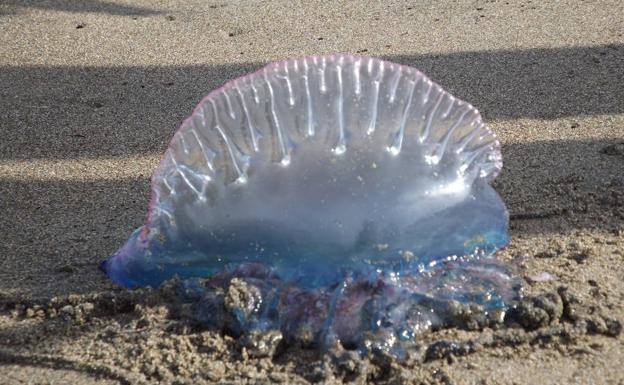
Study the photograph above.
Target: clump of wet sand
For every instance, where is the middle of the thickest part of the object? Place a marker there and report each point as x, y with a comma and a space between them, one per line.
149, 336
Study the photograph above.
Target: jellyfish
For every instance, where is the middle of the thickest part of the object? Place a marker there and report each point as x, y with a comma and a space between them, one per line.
349, 195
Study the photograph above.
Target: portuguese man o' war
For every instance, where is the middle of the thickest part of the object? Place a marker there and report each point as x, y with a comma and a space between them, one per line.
346, 197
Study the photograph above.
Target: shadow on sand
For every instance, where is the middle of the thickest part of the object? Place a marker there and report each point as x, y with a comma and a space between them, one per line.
92, 6
70, 112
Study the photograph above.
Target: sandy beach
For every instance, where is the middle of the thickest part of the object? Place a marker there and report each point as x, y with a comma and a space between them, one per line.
91, 92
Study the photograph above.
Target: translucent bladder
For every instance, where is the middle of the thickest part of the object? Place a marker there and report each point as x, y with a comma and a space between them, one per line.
328, 171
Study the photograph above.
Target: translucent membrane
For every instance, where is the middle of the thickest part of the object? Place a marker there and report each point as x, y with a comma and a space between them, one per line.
338, 186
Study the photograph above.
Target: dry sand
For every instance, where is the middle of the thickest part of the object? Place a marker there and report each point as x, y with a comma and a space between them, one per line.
90, 92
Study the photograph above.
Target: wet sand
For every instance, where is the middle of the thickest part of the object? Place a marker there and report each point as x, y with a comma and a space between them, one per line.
91, 92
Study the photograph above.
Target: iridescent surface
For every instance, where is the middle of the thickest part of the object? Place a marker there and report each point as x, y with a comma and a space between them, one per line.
336, 187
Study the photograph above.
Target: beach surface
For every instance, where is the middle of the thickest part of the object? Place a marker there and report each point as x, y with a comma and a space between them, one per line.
91, 92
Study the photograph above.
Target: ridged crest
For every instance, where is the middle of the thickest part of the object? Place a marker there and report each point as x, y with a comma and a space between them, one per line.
340, 101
